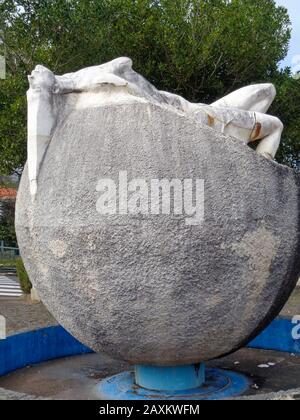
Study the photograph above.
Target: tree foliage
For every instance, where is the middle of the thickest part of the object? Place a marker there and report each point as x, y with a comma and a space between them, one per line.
287, 107
201, 49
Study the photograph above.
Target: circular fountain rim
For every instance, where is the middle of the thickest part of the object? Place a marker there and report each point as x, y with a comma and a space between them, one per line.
53, 343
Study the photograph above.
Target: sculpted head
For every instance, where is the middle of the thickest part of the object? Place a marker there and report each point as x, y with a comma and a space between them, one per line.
42, 79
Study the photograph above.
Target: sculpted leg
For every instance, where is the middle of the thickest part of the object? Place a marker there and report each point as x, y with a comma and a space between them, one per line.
268, 129
247, 126
257, 98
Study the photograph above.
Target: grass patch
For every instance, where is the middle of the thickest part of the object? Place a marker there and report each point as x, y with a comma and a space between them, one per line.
25, 283
8, 262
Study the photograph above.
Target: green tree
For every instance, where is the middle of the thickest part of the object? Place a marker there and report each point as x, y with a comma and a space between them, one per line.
201, 49
287, 108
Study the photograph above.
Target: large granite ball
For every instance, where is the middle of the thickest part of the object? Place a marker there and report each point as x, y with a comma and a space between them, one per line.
151, 289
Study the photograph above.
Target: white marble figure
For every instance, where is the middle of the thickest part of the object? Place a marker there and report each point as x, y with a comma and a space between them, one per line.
41, 120
241, 114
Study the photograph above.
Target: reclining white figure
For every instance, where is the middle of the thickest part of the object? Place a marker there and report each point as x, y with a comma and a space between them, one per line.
241, 114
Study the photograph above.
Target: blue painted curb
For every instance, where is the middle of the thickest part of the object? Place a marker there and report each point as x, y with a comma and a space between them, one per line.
39, 346
21, 350
279, 336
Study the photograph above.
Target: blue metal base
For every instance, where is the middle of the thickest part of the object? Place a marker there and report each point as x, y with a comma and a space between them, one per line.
175, 378
219, 385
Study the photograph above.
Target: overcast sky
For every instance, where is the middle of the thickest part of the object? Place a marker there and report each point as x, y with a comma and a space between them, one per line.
293, 7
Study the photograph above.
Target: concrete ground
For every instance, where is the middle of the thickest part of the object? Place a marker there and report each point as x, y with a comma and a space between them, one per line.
77, 377
23, 315
292, 308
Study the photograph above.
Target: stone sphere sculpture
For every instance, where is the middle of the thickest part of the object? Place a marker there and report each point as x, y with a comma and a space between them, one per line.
110, 162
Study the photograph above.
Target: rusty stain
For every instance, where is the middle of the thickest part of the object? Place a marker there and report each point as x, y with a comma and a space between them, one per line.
211, 120
256, 132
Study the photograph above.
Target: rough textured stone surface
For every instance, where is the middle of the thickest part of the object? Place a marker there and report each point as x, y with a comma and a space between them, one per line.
150, 289
292, 395
6, 395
